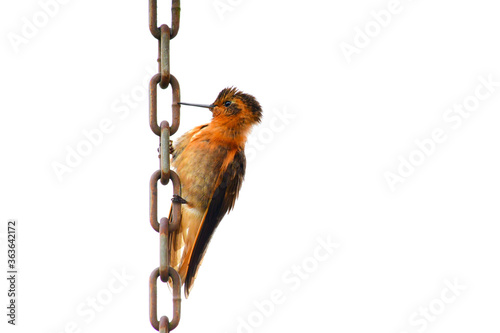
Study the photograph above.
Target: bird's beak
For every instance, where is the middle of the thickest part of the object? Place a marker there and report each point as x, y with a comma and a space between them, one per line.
198, 105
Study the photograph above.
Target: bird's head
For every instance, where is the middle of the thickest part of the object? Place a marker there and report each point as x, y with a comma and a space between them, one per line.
233, 103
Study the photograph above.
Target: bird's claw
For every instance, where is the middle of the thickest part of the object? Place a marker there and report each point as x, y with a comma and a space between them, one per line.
178, 199
170, 147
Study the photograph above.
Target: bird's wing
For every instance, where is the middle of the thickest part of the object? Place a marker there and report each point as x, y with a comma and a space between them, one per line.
223, 199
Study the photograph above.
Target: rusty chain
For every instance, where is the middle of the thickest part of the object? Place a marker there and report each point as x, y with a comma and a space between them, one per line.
164, 79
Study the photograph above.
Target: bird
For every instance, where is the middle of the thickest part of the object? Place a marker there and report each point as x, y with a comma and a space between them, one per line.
210, 162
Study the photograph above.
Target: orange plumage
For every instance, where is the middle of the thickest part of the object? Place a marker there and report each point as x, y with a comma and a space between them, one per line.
210, 162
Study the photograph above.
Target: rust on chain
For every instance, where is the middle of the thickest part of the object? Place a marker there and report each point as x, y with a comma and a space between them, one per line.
164, 325
164, 56
175, 222
176, 107
165, 152
153, 201
167, 226
153, 299
153, 104
164, 79
176, 18
153, 18
164, 254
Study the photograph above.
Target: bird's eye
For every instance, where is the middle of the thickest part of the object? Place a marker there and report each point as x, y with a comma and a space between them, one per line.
227, 103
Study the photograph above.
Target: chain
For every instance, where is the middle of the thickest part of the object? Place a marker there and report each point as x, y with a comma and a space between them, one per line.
164, 79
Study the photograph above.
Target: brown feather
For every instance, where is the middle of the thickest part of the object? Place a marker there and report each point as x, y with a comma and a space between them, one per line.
210, 162
222, 201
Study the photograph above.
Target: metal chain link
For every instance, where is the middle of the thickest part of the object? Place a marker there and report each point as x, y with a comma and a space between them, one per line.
164, 79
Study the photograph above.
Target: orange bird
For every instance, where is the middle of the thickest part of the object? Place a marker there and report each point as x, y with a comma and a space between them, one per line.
210, 162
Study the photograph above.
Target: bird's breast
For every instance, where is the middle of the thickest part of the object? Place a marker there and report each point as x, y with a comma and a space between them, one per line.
199, 166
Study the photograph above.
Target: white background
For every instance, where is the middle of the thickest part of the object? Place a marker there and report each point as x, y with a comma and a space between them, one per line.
332, 129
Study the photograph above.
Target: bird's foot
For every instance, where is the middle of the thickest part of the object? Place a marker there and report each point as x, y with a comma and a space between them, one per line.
178, 199
171, 147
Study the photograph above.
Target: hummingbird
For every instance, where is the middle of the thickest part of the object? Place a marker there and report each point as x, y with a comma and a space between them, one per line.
210, 161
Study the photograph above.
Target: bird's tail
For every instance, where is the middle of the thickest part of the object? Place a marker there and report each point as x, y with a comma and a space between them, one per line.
182, 241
